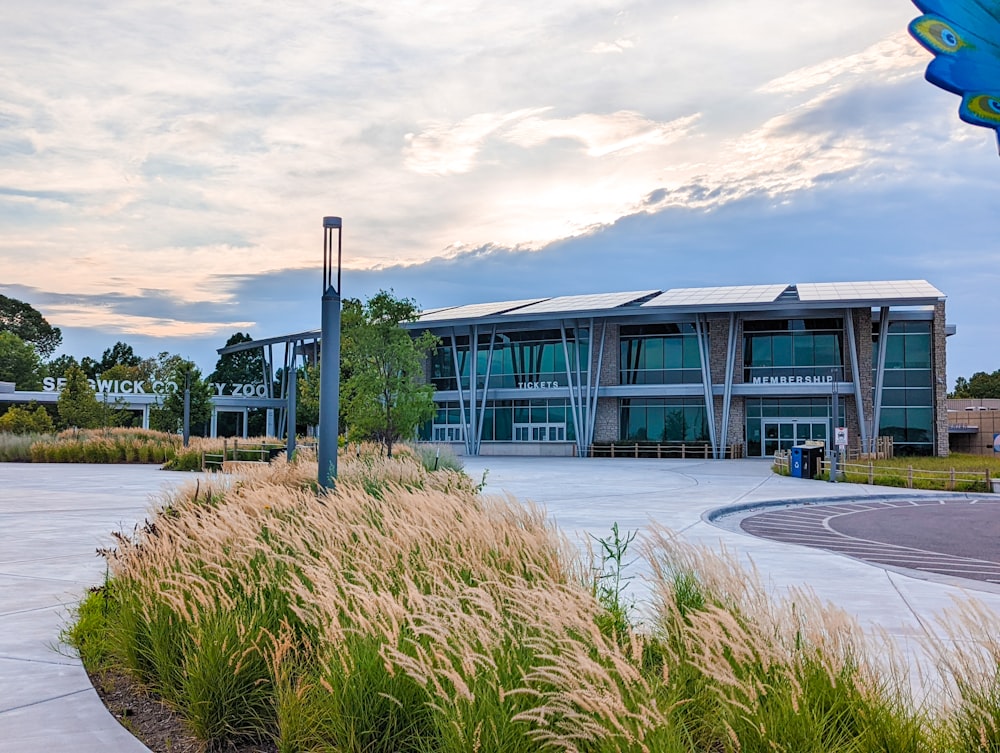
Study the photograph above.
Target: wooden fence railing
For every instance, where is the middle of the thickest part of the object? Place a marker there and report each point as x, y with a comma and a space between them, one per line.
244, 453
648, 450
909, 477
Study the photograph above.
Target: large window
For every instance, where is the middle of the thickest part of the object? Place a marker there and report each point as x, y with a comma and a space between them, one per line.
660, 354
667, 420
792, 348
519, 358
506, 421
908, 390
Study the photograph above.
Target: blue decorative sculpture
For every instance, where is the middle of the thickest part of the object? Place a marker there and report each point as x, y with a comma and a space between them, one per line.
964, 36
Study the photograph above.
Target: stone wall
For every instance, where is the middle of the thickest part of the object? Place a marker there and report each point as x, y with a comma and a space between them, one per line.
939, 377
606, 427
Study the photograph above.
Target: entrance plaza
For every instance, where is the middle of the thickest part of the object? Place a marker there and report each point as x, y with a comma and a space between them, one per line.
54, 517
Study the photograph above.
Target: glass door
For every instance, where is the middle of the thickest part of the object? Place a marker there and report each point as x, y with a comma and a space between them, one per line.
786, 433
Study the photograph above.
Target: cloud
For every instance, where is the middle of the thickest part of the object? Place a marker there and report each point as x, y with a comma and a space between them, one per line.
612, 48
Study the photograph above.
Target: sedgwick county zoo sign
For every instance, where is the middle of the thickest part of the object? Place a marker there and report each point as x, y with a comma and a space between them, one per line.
121, 387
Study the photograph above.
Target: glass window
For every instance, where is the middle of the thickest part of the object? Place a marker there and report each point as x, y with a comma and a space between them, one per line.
673, 353
781, 350
918, 352
803, 345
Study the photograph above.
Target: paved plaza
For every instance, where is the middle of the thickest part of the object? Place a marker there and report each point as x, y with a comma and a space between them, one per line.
53, 518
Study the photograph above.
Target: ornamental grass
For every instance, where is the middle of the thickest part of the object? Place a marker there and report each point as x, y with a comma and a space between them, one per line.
404, 611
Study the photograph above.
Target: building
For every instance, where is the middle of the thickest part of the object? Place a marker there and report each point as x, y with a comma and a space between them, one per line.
974, 425
744, 370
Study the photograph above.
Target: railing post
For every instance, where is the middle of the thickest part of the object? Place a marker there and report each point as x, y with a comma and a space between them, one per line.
612, 449
909, 477
871, 472
637, 449
951, 480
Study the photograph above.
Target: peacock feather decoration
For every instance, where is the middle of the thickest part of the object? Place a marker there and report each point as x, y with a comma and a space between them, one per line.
964, 37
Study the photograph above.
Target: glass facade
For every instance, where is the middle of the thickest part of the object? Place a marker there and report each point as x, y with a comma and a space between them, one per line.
520, 359
667, 420
783, 422
660, 354
536, 420
792, 348
908, 387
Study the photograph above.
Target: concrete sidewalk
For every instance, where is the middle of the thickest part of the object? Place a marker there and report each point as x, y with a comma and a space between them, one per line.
53, 518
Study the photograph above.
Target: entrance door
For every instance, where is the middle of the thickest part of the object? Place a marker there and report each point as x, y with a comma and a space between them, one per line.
539, 432
786, 433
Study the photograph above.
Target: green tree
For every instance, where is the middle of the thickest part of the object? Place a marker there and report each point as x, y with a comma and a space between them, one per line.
18, 420
384, 394
19, 363
58, 367
171, 416
307, 397
243, 367
78, 405
119, 354
980, 385
23, 320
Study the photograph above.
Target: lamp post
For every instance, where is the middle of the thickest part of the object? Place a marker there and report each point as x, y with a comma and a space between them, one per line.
835, 407
329, 372
187, 407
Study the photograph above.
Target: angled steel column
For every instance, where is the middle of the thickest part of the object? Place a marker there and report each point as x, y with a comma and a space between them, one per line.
458, 383
473, 388
329, 376
592, 417
852, 345
701, 326
577, 428
727, 393
883, 336
486, 389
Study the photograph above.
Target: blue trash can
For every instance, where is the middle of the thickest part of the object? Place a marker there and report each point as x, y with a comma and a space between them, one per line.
795, 465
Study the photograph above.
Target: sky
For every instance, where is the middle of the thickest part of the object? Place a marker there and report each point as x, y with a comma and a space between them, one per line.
165, 168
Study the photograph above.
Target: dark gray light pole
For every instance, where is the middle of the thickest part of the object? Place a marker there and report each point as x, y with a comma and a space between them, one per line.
187, 407
329, 370
834, 448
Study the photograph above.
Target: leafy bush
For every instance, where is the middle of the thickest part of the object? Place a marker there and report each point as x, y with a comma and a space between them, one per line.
18, 420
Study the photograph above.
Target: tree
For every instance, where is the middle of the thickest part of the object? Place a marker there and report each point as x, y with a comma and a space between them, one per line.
307, 397
384, 394
19, 363
58, 367
119, 354
981, 385
23, 320
172, 412
77, 404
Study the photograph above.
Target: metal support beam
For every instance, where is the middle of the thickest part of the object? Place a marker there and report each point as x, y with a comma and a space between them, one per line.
704, 350
486, 389
473, 388
852, 345
727, 392
292, 413
883, 336
458, 384
573, 395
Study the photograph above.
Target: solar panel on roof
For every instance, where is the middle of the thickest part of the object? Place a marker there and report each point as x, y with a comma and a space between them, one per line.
594, 302
732, 294
475, 310
868, 290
